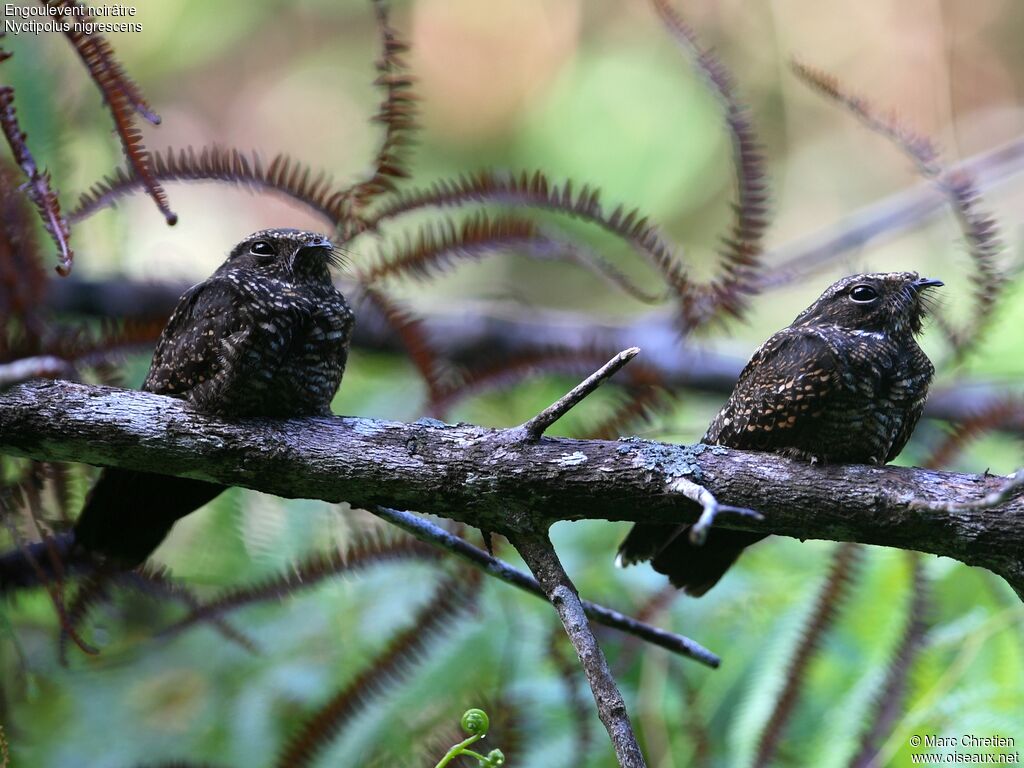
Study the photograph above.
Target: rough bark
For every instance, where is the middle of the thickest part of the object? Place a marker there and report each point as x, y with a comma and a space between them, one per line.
491, 479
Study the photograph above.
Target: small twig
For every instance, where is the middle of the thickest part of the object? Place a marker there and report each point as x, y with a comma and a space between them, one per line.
435, 534
994, 499
540, 556
536, 426
710, 505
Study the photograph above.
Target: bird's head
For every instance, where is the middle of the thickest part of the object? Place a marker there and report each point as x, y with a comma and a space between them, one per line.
895, 302
292, 255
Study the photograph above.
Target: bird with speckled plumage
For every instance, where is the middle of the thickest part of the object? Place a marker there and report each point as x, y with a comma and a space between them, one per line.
266, 335
846, 382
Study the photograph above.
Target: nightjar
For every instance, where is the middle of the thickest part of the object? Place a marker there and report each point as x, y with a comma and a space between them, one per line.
845, 383
266, 335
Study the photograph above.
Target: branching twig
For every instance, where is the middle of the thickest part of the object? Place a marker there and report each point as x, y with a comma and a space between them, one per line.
427, 531
535, 427
540, 556
989, 500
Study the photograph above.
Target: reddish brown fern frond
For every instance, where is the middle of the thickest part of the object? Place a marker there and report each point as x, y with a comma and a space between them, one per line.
695, 721
310, 571
54, 587
436, 246
496, 375
826, 608
920, 149
889, 703
551, 245
397, 113
454, 596
121, 95
981, 232
639, 406
92, 591
412, 334
81, 348
22, 276
156, 584
283, 175
1001, 413
537, 191
37, 188
741, 257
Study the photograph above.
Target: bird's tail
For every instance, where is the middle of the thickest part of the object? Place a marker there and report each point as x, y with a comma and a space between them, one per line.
693, 568
127, 514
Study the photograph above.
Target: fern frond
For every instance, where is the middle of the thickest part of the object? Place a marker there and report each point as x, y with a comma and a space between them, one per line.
412, 333
156, 584
536, 190
638, 407
826, 608
310, 571
436, 246
497, 375
889, 704
397, 113
92, 591
741, 256
22, 275
283, 175
920, 149
980, 231
1000, 413
38, 187
122, 98
454, 596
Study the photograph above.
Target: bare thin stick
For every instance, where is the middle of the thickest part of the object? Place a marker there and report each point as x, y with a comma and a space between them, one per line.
424, 530
710, 506
536, 426
540, 556
994, 499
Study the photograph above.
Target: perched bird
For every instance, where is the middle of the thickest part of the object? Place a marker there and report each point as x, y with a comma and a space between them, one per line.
845, 383
266, 335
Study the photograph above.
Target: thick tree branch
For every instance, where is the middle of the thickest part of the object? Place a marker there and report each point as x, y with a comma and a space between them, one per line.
540, 556
478, 476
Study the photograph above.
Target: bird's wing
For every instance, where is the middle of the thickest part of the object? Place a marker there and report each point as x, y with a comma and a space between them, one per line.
782, 392
186, 352
220, 349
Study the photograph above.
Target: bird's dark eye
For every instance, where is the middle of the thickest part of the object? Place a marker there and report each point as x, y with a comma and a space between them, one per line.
863, 294
262, 248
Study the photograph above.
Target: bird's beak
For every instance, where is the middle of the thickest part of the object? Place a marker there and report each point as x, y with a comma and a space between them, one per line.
927, 282
311, 247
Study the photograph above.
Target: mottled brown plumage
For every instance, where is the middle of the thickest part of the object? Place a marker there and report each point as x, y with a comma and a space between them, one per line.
266, 335
845, 383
